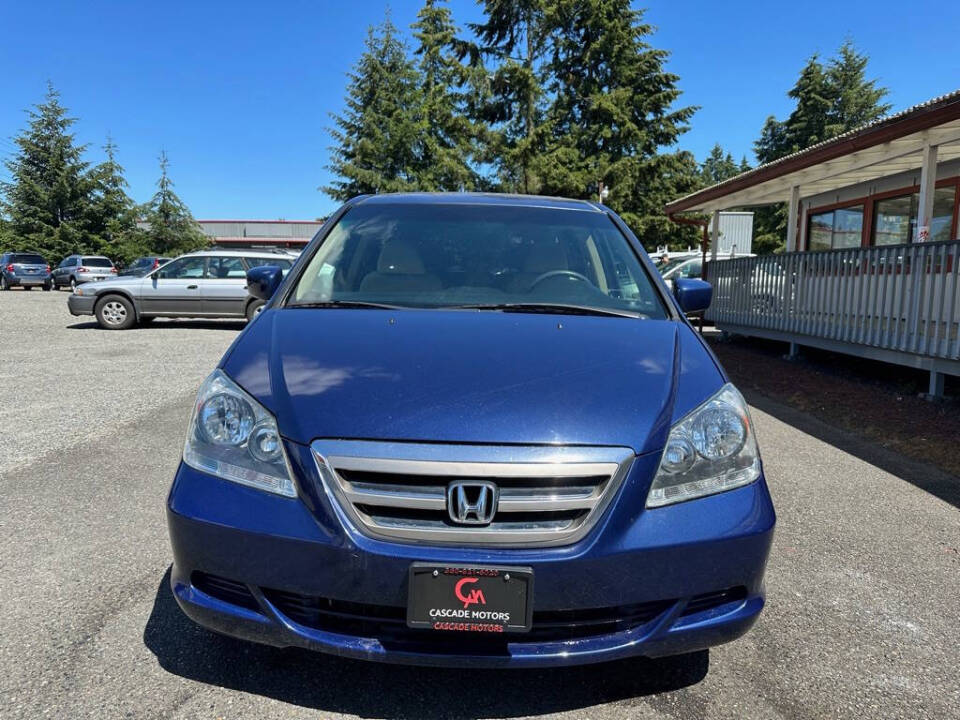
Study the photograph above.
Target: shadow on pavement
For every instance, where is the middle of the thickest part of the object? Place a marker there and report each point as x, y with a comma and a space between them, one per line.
336, 685
926, 477
170, 324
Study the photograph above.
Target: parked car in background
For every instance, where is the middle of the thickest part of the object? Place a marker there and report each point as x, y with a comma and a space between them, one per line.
688, 266
472, 430
26, 270
209, 283
141, 266
75, 270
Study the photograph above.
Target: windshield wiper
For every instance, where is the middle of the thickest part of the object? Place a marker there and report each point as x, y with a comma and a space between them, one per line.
348, 304
548, 308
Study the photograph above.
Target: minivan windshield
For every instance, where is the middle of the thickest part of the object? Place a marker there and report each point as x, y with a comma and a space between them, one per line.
497, 257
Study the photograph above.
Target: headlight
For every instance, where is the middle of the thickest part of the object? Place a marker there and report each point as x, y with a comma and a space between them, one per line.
234, 437
711, 450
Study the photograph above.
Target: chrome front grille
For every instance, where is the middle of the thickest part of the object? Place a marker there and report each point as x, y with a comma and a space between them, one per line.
399, 491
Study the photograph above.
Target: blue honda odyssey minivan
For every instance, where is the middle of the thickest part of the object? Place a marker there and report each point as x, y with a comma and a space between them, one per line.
472, 430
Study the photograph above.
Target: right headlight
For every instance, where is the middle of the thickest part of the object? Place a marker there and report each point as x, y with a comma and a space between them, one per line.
234, 437
710, 450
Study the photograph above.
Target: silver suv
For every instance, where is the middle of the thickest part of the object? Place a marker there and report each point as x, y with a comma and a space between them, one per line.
75, 270
208, 284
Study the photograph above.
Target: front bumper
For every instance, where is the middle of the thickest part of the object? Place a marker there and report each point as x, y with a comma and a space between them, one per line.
81, 305
287, 572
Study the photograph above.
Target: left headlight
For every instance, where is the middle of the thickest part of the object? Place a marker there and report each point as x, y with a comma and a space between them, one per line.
710, 450
234, 437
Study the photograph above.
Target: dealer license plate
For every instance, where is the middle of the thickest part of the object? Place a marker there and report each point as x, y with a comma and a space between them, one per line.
488, 599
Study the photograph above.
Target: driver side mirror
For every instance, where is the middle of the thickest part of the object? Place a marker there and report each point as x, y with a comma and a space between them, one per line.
262, 282
692, 295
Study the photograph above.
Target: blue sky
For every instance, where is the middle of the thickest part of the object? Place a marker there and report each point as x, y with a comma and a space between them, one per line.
239, 93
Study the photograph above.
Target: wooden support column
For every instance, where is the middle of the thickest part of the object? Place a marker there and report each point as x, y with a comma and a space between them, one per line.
714, 234
792, 218
802, 237
928, 183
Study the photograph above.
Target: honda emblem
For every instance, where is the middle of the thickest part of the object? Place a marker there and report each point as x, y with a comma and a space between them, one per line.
472, 502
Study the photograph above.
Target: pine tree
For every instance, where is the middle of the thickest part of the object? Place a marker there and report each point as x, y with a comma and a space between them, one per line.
48, 195
856, 101
171, 228
446, 135
112, 215
718, 166
613, 114
377, 135
829, 101
515, 37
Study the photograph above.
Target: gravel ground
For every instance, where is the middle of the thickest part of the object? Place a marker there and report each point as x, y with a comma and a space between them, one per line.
74, 382
863, 581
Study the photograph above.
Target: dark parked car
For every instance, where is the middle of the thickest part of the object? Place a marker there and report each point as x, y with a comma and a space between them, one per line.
78, 269
472, 430
141, 266
27, 270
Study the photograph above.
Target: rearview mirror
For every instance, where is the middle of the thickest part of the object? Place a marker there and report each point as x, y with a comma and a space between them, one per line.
262, 282
692, 295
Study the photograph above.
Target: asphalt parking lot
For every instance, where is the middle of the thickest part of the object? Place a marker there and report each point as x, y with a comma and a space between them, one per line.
863, 584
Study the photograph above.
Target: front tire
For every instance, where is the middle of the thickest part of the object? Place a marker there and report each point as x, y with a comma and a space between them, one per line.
253, 309
115, 312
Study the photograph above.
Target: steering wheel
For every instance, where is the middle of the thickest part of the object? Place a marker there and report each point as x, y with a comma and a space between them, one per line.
558, 273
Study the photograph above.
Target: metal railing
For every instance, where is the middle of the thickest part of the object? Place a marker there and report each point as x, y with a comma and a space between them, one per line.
903, 298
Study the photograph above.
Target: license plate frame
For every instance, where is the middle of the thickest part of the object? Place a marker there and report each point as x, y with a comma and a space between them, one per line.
470, 598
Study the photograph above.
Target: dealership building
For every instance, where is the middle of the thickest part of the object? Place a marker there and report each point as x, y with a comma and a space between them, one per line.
289, 234
872, 261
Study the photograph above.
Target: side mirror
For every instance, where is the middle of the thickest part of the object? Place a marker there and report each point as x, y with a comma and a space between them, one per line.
692, 295
262, 282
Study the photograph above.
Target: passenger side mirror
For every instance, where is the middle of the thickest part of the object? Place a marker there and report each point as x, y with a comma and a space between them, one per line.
692, 295
262, 282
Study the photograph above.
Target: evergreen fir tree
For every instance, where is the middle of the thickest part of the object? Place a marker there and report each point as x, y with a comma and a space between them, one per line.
829, 101
377, 135
515, 36
856, 101
613, 114
446, 141
718, 166
48, 195
172, 229
112, 215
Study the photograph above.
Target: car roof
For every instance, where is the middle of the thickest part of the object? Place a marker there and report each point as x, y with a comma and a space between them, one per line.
236, 253
458, 198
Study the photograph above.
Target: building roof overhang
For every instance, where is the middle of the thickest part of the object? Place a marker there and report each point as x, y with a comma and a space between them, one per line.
885, 147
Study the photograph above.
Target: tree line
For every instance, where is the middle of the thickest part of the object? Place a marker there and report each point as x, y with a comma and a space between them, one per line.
560, 97
57, 203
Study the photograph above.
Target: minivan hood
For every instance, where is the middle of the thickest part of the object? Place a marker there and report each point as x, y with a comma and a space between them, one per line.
472, 376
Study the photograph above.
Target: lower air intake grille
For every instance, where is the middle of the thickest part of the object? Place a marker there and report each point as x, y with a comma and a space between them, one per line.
528, 495
389, 623
230, 591
708, 601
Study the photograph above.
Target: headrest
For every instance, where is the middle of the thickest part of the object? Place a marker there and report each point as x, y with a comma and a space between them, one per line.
545, 256
399, 256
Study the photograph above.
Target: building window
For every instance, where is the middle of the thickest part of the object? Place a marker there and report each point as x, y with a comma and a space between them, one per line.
836, 229
895, 219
